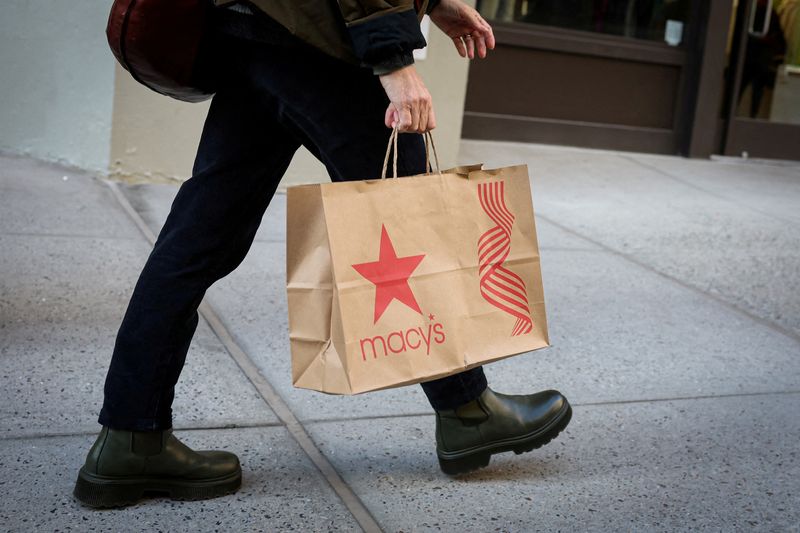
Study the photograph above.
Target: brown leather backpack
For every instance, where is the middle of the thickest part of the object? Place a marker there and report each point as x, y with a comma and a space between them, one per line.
159, 43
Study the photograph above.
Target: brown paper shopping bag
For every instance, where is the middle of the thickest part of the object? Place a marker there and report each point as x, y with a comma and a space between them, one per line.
397, 281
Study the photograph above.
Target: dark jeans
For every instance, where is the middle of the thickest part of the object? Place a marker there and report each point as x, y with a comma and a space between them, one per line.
271, 99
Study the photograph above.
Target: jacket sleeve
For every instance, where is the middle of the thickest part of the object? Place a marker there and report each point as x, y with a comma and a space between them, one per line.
384, 33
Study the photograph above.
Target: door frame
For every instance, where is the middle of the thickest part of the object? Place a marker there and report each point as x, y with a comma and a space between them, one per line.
755, 137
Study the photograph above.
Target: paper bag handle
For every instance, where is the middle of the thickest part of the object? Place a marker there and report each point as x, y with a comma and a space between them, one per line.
392, 145
429, 146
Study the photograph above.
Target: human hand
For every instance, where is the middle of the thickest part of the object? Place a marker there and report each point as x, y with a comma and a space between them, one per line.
465, 26
410, 105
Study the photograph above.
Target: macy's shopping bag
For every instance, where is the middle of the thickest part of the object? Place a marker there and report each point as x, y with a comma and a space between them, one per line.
396, 281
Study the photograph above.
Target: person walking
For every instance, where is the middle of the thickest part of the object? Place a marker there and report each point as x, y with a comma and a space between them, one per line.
335, 77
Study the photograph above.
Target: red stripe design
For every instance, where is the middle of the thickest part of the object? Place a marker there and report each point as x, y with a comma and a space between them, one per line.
499, 286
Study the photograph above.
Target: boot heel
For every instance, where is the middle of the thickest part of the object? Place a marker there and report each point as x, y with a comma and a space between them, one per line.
454, 467
101, 495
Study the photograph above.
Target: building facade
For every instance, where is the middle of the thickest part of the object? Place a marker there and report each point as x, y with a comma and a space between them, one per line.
66, 100
689, 77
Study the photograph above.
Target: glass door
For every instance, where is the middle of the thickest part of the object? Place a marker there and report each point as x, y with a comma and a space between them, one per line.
763, 114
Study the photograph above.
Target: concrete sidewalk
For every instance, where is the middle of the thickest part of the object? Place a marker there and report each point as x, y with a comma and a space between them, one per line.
673, 293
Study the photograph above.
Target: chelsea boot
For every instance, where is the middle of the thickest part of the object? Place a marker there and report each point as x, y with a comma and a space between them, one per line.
123, 465
467, 437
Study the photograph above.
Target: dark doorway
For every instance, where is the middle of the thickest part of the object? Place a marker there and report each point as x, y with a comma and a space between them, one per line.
763, 96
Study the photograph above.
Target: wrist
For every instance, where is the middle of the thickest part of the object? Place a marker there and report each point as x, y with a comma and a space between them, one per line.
393, 63
403, 72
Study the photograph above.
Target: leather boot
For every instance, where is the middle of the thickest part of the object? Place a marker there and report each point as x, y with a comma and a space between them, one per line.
467, 437
123, 465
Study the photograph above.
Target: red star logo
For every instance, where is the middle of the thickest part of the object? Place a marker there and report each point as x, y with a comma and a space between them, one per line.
390, 275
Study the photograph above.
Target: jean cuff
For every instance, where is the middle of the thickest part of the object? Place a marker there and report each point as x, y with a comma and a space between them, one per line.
456, 390
161, 423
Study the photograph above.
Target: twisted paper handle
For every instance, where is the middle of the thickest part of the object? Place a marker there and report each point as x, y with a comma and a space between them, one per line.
392, 148
499, 286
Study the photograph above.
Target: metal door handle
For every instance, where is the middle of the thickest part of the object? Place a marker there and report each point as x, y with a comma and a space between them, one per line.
767, 20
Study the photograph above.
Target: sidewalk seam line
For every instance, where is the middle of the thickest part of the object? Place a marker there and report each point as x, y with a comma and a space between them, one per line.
93, 433
67, 236
279, 407
687, 398
339, 420
733, 307
574, 404
718, 196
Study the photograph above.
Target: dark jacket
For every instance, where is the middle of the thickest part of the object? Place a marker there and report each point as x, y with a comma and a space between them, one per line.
381, 34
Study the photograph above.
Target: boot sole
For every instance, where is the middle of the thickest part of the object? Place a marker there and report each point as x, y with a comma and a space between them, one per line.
104, 492
461, 462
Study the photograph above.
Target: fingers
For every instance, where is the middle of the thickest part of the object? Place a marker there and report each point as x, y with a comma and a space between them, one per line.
393, 119
431, 120
416, 118
416, 115
480, 43
488, 34
390, 117
473, 36
423, 118
405, 118
459, 42
408, 117
482, 35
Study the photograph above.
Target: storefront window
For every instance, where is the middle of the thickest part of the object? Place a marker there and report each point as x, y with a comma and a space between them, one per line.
770, 86
655, 20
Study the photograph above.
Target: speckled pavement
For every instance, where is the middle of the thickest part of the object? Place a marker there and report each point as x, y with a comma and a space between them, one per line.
673, 295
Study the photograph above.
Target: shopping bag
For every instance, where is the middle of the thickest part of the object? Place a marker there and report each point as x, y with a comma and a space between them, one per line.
397, 281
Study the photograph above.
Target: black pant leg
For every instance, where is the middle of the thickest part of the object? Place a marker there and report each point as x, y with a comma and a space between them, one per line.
242, 155
455, 390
